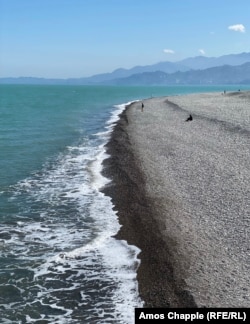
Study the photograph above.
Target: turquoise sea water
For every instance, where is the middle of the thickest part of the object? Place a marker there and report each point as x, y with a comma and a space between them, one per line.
58, 260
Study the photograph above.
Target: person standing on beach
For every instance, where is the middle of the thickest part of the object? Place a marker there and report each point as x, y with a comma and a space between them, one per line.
142, 106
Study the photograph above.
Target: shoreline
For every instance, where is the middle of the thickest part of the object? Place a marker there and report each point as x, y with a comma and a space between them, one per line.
172, 186
157, 285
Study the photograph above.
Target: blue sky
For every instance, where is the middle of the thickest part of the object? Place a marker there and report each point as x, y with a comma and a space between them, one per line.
77, 38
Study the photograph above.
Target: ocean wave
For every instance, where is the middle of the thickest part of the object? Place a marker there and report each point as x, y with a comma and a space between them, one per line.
62, 243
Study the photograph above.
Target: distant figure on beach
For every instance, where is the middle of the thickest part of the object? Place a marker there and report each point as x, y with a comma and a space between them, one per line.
142, 106
189, 118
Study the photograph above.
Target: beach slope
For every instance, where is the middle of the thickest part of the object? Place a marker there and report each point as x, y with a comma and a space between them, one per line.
182, 192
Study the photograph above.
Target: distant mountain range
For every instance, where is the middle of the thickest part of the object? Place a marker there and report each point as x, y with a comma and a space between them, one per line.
226, 74
227, 69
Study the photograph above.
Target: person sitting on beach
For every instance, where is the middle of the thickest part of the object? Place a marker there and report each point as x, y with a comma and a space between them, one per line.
189, 118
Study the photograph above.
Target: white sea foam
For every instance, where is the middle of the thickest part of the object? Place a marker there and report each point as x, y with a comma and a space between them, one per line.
99, 181
64, 238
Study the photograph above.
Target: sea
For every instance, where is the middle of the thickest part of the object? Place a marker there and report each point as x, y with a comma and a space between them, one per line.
59, 260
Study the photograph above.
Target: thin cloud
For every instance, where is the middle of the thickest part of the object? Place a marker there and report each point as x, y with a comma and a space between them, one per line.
202, 52
238, 28
168, 51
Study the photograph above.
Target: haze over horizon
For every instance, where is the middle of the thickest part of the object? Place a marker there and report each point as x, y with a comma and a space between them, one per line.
73, 38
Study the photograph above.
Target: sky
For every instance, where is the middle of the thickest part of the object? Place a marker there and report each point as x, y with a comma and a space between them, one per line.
80, 38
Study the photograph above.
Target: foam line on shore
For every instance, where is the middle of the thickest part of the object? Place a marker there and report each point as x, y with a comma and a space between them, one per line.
157, 286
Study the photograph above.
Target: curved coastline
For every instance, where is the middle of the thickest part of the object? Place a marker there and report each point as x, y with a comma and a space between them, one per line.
157, 286
188, 258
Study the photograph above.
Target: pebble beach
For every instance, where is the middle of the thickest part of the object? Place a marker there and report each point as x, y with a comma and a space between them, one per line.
182, 194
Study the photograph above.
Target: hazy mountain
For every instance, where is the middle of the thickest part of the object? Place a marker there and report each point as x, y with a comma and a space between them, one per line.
168, 67
225, 74
189, 64
203, 62
32, 80
198, 62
